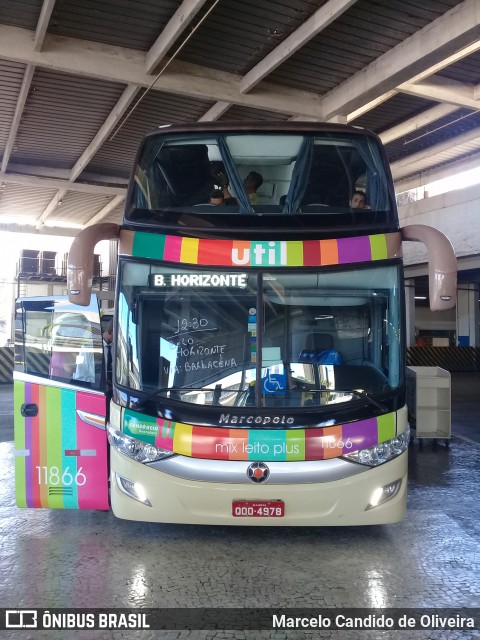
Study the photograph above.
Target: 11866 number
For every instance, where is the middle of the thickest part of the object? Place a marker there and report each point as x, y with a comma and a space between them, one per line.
52, 477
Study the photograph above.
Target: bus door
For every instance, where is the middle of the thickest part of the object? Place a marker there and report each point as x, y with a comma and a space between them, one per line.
59, 405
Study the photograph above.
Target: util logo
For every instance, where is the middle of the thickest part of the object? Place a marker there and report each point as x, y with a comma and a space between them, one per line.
261, 254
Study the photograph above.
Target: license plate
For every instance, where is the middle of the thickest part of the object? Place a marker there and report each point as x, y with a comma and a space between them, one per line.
255, 509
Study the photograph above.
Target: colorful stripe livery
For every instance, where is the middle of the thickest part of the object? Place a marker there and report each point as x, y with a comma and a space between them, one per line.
274, 253
60, 455
260, 444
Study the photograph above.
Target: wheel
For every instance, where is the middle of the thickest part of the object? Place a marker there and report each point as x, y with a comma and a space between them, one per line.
447, 443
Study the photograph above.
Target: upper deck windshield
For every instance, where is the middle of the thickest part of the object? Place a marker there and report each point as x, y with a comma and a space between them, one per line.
328, 172
315, 339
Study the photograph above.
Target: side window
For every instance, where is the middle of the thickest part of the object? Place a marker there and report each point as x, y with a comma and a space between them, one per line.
76, 349
36, 321
59, 343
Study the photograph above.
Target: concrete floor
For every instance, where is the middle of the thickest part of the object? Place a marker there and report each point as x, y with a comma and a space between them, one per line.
91, 559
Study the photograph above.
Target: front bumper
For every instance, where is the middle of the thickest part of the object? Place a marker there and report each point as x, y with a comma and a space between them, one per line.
341, 502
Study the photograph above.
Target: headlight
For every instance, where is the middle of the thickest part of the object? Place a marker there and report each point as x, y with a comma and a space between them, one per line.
384, 494
383, 452
132, 489
136, 449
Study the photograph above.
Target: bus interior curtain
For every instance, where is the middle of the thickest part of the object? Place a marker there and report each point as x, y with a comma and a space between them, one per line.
143, 179
300, 177
234, 177
142, 190
375, 190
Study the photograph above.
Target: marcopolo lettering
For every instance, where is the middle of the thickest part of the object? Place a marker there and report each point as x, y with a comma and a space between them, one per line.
263, 421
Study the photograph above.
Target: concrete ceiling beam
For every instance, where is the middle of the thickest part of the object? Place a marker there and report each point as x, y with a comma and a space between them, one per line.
409, 60
443, 90
418, 122
172, 31
22, 98
42, 24
127, 66
105, 130
413, 163
56, 183
108, 208
218, 109
317, 22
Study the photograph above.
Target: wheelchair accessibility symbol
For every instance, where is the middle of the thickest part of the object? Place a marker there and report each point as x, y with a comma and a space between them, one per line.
274, 383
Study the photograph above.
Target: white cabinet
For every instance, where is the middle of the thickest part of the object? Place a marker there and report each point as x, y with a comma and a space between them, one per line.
429, 402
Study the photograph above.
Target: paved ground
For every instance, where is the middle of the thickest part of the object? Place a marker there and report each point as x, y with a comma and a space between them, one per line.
91, 559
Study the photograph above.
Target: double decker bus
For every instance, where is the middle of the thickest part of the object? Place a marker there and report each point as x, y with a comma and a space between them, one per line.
259, 338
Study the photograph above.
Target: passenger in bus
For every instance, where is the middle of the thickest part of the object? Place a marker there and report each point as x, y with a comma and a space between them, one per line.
252, 182
217, 198
67, 332
358, 200
107, 352
62, 365
85, 365
85, 368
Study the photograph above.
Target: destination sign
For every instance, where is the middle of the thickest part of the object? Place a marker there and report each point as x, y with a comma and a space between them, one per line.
238, 280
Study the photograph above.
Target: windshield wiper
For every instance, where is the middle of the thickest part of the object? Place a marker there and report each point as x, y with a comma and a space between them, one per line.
163, 389
360, 393
174, 389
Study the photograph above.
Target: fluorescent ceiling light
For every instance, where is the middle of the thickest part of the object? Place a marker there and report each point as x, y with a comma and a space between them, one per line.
21, 220
62, 223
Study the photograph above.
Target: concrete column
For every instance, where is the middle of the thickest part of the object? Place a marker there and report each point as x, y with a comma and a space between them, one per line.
112, 263
112, 257
467, 315
410, 312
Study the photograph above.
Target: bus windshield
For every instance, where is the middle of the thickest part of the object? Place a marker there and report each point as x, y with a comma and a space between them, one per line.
263, 173
312, 339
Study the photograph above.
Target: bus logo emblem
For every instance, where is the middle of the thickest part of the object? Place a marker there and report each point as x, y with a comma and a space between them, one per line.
258, 472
